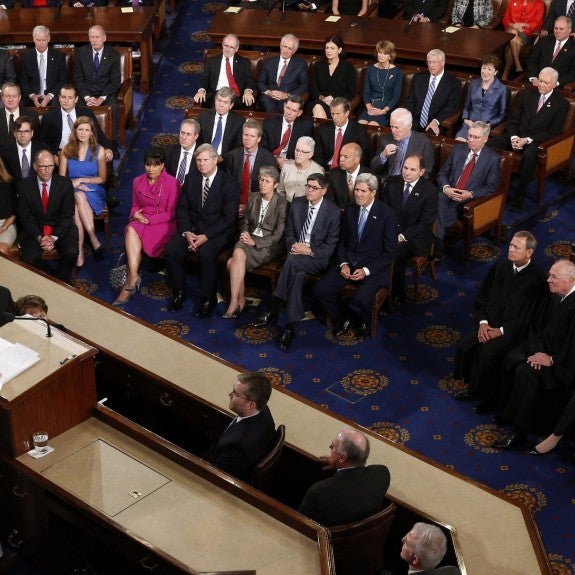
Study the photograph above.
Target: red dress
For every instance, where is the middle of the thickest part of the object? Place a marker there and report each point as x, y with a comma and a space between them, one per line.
530, 12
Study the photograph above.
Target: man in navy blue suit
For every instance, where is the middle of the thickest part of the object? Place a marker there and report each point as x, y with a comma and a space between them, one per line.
311, 236
471, 171
282, 75
364, 257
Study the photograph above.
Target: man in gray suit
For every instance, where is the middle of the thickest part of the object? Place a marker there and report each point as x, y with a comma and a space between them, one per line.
401, 143
311, 235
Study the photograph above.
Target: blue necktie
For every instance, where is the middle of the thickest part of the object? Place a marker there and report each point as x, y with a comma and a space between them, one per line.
218, 137
361, 224
182, 169
307, 224
96, 64
423, 121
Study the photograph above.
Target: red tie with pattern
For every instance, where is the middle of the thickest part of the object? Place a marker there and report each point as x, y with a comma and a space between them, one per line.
231, 80
557, 50
284, 142
47, 230
463, 179
246, 173
337, 148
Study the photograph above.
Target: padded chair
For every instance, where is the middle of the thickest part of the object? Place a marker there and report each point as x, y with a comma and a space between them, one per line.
54, 255
126, 93
358, 546
264, 471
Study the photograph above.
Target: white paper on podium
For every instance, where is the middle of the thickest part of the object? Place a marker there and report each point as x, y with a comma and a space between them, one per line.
14, 359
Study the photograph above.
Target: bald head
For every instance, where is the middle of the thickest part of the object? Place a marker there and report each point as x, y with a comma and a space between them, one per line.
353, 445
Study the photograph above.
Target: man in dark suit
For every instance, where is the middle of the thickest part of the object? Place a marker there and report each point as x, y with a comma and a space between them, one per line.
180, 156
7, 72
11, 110
244, 163
311, 236
471, 171
434, 95
543, 363
342, 179
282, 132
6, 301
41, 61
424, 10
401, 143
423, 548
557, 8
207, 213
538, 116
331, 137
222, 128
227, 69
97, 74
502, 309
46, 215
364, 258
250, 435
282, 75
414, 200
557, 51
355, 491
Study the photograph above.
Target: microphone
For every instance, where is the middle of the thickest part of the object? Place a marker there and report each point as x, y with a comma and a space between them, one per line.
268, 19
8, 317
407, 27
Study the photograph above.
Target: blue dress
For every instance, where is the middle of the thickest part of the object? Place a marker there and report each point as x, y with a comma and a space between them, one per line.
88, 168
381, 88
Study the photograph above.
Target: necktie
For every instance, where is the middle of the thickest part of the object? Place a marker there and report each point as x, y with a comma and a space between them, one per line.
307, 225
218, 137
182, 168
557, 49
361, 224
463, 179
42, 71
44, 196
350, 186
231, 80
406, 192
423, 120
541, 102
246, 175
284, 142
398, 159
205, 191
282, 73
11, 125
571, 11
96, 64
70, 123
25, 169
337, 148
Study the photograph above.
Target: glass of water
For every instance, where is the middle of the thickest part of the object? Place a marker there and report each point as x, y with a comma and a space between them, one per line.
40, 439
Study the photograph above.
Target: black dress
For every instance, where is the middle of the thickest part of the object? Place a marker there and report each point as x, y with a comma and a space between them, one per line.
342, 83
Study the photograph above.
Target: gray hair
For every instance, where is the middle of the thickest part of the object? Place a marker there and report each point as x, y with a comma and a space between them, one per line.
206, 148
530, 239
292, 37
270, 172
482, 126
402, 115
226, 92
307, 141
430, 545
191, 122
40, 29
436, 53
554, 74
369, 180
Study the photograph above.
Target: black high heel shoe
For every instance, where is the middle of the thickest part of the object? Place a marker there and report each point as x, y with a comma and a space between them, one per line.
98, 253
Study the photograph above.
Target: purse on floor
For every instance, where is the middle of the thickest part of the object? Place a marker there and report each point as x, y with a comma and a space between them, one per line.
118, 274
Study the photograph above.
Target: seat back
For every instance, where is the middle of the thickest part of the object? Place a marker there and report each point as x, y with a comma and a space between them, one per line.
265, 469
358, 546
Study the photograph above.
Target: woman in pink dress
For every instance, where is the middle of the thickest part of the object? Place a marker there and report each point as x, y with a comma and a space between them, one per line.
152, 219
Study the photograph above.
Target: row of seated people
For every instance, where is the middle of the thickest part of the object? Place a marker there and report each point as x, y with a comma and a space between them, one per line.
6, 4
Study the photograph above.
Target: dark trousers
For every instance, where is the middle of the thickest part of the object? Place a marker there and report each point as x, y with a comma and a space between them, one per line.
268, 104
67, 248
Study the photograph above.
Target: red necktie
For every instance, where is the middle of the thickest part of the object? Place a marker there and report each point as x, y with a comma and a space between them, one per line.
245, 191
38, 3
463, 179
282, 73
557, 49
284, 142
231, 80
335, 157
47, 230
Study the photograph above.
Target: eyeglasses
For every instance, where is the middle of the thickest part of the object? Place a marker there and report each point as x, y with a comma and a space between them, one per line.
23, 131
46, 167
313, 188
234, 393
298, 151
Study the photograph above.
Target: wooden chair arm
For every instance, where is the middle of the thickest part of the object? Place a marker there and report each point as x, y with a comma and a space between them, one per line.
449, 123
556, 151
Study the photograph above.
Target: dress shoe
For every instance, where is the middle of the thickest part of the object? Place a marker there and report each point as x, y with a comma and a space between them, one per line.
462, 395
362, 331
286, 339
265, 319
236, 313
177, 301
98, 253
342, 327
205, 309
535, 452
508, 440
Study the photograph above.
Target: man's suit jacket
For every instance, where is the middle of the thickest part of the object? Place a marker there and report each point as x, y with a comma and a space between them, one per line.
242, 71
232, 136
325, 141
9, 155
51, 128
29, 78
556, 8
218, 216
541, 56
172, 153
7, 73
108, 80
242, 444
416, 216
350, 495
5, 136
418, 144
338, 190
526, 121
295, 79
433, 9
325, 231
271, 138
234, 165
484, 177
6, 301
59, 213
446, 98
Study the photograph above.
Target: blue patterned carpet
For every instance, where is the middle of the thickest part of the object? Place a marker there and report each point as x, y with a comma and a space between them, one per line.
397, 384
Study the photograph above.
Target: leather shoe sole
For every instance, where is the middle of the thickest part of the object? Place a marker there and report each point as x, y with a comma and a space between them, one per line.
362, 331
286, 340
343, 328
265, 319
205, 310
177, 302
508, 440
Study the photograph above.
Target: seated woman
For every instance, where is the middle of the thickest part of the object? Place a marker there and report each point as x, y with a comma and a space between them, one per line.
32, 305
331, 78
84, 161
472, 13
486, 98
293, 177
349, 7
382, 87
7, 210
152, 219
565, 424
523, 19
261, 237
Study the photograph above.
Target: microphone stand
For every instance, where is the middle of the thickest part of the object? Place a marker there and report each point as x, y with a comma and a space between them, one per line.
268, 20
7, 317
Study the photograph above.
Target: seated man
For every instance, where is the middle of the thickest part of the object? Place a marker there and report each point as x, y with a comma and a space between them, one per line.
227, 69
470, 171
250, 435
414, 200
355, 491
46, 214
311, 236
538, 116
180, 156
7, 72
11, 110
424, 10
207, 213
364, 258
423, 548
